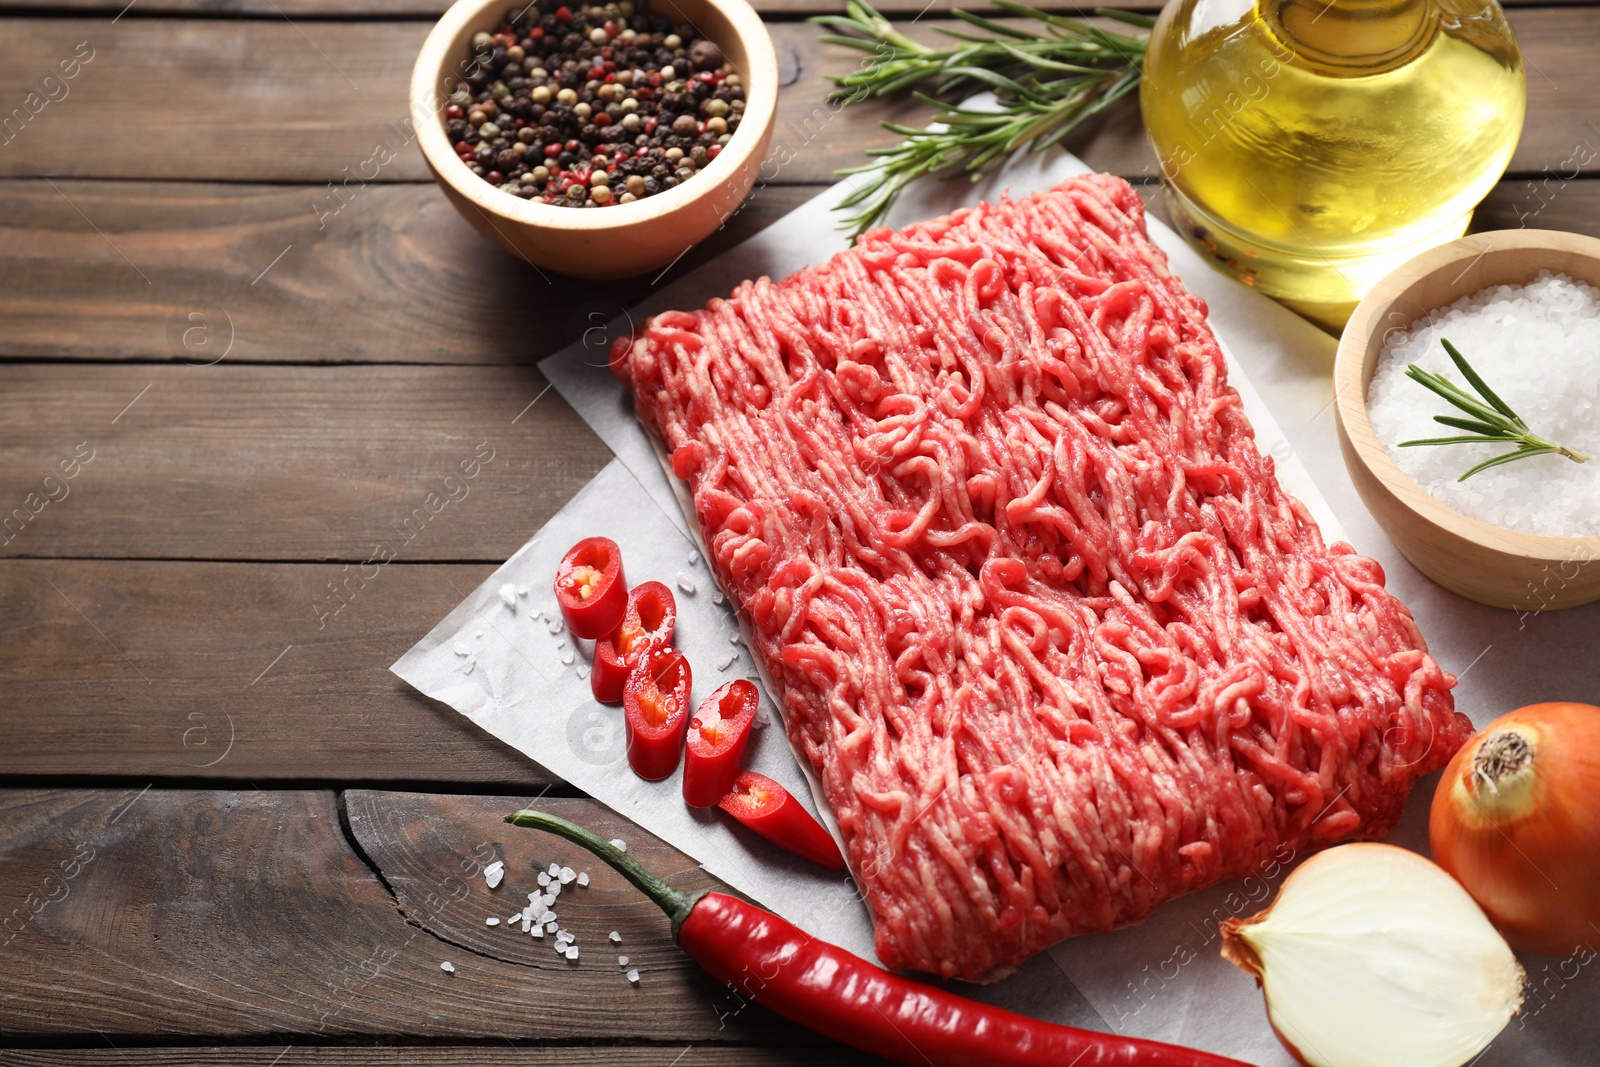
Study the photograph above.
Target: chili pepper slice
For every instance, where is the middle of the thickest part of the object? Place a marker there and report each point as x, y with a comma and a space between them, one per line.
655, 712
842, 996
590, 588
766, 807
647, 624
718, 734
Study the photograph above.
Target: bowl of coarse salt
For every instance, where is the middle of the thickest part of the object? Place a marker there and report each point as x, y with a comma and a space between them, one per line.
1522, 308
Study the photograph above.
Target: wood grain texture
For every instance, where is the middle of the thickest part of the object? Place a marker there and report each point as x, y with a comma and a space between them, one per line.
393, 9
389, 1055
270, 100
315, 463
187, 272
229, 670
397, 277
251, 914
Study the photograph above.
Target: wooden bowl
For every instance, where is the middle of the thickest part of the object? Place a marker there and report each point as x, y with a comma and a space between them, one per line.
1486, 563
623, 239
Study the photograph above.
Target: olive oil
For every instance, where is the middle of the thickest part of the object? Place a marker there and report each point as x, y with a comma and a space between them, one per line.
1312, 146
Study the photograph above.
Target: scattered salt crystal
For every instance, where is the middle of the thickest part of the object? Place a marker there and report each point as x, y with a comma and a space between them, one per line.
567, 875
491, 921
572, 952
685, 583
466, 668
551, 927
462, 650
694, 557
544, 879
527, 921
522, 590
633, 976
622, 961
537, 931
619, 844
477, 633
553, 870
493, 874
566, 661
1521, 339
555, 624
508, 596
534, 613
553, 892
716, 596
761, 717
583, 670
583, 877
565, 936
727, 661
615, 936
735, 639
514, 918
447, 967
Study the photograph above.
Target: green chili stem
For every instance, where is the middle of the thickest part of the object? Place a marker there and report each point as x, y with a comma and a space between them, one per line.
675, 902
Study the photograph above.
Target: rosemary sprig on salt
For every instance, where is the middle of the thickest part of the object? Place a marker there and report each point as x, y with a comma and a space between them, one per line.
1492, 418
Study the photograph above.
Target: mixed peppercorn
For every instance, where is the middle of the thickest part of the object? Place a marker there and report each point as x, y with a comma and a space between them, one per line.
591, 106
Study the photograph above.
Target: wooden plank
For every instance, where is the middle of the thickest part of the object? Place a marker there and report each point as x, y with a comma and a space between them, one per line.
240, 671
252, 462
248, 913
395, 9
195, 272
148, 100
397, 277
301, 1055
149, 96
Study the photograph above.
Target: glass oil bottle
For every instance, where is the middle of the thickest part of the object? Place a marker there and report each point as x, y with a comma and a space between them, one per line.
1311, 146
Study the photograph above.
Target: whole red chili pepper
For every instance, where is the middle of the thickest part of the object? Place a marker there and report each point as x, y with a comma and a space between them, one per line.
718, 734
766, 807
647, 624
590, 588
655, 712
842, 996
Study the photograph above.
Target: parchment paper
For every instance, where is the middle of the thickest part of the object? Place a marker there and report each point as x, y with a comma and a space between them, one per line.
1163, 979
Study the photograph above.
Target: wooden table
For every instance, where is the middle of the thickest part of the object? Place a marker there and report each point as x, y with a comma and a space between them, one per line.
224, 822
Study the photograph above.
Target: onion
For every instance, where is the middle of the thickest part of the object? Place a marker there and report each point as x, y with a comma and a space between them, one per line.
1515, 820
1372, 956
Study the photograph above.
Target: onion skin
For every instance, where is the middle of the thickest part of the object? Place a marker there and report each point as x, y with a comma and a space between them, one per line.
1516, 821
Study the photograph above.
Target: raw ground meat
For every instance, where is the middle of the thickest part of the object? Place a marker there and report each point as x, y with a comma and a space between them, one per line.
1040, 615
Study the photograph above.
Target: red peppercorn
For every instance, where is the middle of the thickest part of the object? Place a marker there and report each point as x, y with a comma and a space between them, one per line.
552, 150
643, 93
537, 33
650, 125
610, 27
602, 120
611, 79
611, 168
654, 80
495, 178
707, 76
563, 15
453, 112
572, 146
596, 74
465, 149
714, 151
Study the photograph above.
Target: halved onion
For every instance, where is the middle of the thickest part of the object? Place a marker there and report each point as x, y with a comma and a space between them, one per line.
1372, 956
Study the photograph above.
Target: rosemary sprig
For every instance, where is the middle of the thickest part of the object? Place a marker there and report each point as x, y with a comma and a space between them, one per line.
1492, 418
1046, 83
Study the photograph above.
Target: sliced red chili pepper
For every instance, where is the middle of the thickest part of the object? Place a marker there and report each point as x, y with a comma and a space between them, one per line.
590, 588
766, 807
718, 734
647, 624
840, 995
655, 712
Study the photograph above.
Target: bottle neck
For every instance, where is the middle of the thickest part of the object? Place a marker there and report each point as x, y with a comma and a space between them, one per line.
1353, 36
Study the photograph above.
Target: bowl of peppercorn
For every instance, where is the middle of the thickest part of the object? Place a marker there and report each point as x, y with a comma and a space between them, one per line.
596, 140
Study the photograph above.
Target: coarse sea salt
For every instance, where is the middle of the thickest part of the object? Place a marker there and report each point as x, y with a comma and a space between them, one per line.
1538, 347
